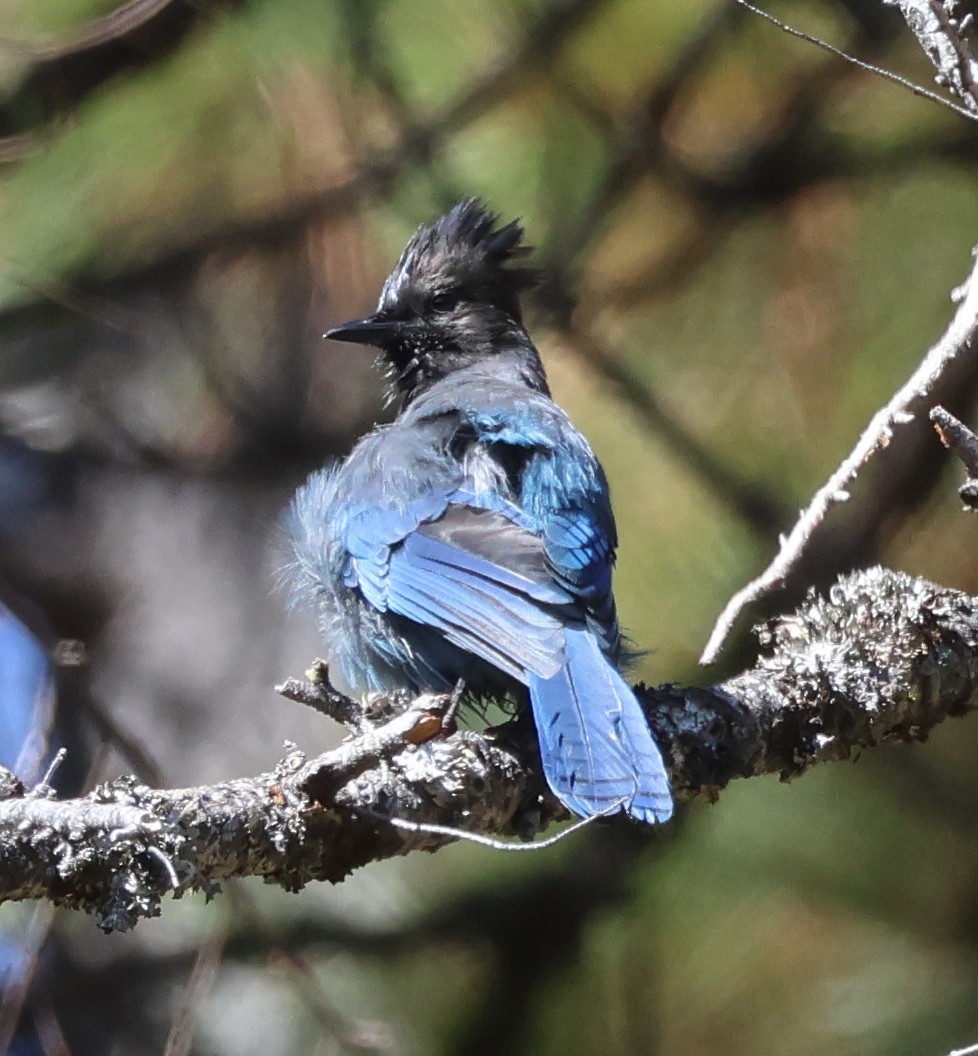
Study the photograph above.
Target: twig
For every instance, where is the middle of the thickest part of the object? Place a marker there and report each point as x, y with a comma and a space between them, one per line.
125, 743
17, 146
888, 75
91, 34
940, 37
198, 986
44, 787
318, 694
962, 441
900, 410
503, 845
957, 437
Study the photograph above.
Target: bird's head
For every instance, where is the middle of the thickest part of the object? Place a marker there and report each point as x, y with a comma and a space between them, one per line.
453, 299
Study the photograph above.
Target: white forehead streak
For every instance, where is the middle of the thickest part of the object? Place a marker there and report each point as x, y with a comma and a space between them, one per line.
395, 284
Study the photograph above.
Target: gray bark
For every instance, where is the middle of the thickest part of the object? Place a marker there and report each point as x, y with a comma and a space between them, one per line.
883, 658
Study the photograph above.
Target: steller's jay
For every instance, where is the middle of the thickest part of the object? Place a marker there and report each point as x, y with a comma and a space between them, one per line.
473, 537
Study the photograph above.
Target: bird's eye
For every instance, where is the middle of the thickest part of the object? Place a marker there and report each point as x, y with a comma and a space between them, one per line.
446, 301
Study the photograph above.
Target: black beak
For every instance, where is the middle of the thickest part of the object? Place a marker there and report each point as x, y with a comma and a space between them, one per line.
374, 330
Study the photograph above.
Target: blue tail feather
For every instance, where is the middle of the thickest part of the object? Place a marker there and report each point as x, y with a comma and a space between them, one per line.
595, 743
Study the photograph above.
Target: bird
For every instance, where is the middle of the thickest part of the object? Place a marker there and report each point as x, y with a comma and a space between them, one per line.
472, 538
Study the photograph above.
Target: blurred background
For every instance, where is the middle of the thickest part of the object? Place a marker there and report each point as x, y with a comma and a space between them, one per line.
748, 245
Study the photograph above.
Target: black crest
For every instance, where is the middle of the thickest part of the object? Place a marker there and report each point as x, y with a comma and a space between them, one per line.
464, 249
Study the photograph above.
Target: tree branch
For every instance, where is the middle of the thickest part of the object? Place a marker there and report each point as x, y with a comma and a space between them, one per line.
942, 36
957, 437
884, 658
906, 402
91, 34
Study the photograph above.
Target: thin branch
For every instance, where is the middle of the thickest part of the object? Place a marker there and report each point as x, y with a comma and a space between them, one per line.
957, 339
198, 985
962, 441
884, 658
91, 34
888, 75
17, 146
316, 693
957, 437
939, 34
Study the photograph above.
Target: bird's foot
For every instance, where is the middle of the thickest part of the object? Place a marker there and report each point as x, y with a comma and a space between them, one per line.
438, 714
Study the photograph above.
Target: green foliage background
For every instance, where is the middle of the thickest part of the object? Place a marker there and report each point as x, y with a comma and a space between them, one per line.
759, 239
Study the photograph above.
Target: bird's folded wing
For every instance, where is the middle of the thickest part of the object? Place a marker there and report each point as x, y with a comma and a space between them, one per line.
475, 574
580, 553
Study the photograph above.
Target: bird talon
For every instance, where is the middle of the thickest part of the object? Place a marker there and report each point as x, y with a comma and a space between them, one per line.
427, 727
436, 716
379, 708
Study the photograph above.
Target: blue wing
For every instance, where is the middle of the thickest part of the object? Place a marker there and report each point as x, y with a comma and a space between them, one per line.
475, 574
27, 699
536, 605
